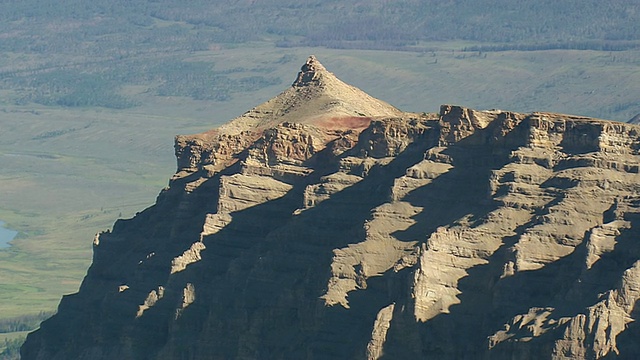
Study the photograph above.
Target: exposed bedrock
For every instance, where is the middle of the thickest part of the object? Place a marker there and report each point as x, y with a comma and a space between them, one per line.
356, 231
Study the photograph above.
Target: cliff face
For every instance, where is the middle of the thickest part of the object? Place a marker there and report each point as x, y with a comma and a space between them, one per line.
353, 230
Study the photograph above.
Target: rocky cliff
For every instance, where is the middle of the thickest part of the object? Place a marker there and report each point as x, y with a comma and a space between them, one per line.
326, 224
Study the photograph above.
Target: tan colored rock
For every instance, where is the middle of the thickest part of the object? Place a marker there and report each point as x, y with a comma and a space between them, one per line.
151, 300
188, 297
316, 97
375, 348
325, 223
188, 257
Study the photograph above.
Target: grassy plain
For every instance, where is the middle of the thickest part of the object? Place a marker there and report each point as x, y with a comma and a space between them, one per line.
69, 172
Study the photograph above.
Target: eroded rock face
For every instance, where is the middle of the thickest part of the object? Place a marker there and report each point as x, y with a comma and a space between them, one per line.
460, 235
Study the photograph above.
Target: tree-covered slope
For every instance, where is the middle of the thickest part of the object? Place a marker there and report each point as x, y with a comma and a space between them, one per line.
320, 22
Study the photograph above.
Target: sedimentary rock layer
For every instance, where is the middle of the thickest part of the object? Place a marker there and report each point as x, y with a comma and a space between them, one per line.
355, 231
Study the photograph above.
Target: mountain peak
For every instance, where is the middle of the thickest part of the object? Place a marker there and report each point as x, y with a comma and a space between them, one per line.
316, 97
310, 73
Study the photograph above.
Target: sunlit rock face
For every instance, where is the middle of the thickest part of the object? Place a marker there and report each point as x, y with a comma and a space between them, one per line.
326, 224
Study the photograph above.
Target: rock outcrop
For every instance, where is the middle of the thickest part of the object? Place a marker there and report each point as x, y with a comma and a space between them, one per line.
325, 224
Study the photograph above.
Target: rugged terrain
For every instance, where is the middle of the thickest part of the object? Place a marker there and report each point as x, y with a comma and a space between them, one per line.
327, 224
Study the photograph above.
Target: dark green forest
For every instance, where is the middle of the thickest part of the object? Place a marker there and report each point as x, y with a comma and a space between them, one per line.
321, 22
10, 348
78, 53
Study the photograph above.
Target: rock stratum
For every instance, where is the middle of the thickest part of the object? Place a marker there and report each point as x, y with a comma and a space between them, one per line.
326, 224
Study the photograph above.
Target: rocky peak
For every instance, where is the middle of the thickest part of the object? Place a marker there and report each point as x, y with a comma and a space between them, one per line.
311, 73
315, 97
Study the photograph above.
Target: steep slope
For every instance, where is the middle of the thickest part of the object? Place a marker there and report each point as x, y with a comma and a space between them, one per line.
345, 229
315, 97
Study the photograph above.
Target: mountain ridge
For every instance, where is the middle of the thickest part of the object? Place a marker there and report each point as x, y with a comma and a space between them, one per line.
462, 234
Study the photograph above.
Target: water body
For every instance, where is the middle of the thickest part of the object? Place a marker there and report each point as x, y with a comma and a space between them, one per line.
6, 235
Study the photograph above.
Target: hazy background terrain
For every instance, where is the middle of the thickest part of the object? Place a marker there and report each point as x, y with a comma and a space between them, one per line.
92, 94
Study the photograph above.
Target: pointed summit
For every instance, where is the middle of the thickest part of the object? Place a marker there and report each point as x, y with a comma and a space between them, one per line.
310, 73
316, 97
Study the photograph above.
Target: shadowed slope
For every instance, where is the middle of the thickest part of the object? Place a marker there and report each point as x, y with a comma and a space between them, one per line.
471, 234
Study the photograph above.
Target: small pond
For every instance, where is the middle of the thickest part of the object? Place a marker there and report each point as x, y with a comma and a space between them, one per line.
6, 235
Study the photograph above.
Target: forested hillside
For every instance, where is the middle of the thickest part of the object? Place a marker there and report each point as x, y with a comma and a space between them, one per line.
78, 53
321, 22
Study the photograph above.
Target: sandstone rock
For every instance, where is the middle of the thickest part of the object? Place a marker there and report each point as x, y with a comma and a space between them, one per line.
379, 333
325, 224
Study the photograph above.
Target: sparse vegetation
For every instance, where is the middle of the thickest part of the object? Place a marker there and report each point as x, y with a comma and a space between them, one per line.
11, 349
24, 322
